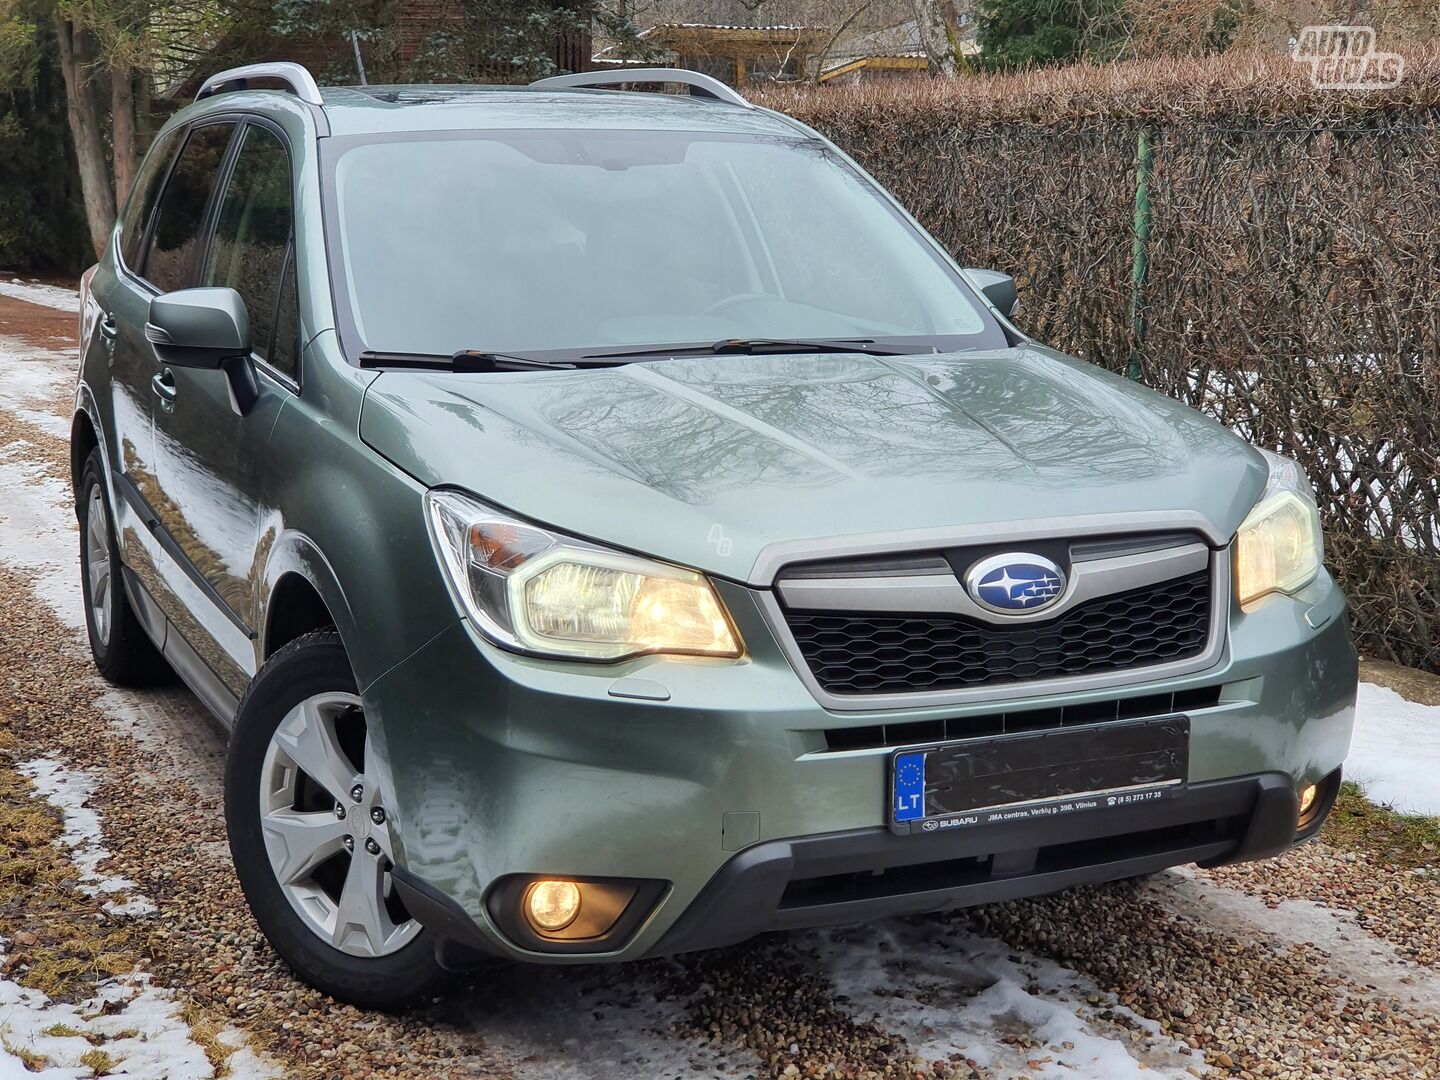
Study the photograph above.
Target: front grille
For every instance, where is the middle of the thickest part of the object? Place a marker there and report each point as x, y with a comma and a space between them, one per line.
1010, 722
865, 653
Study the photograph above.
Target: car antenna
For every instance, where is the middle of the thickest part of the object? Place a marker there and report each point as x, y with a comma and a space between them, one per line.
359, 64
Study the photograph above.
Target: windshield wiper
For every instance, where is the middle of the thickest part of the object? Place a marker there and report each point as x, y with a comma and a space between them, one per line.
467, 361
476, 360
801, 345
480, 360
753, 346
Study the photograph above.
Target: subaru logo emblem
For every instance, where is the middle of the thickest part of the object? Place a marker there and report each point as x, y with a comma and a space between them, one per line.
1015, 582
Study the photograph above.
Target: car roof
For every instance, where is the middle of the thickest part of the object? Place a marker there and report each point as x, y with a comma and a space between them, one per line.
374, 110
377, 109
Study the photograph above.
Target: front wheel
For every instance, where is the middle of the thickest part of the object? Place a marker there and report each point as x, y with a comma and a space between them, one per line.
310, 835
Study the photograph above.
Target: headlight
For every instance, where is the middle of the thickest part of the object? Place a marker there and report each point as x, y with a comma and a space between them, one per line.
541, 592
1279, 547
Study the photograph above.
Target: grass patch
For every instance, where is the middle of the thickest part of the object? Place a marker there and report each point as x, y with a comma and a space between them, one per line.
58, 945
205, 1031
32, 1061
99, 1062
1407, 840
94, 1038
29, 827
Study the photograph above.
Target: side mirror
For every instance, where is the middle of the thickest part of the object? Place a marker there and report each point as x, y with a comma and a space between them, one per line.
209, 330
998, 288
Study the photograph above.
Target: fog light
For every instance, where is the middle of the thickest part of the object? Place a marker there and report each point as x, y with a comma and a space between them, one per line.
552, 905
1307, 800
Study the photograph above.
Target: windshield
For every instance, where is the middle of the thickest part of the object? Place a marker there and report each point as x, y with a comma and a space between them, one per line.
560, 242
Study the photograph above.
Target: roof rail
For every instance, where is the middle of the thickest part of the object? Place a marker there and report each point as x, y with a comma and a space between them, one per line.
296, 79
700, 85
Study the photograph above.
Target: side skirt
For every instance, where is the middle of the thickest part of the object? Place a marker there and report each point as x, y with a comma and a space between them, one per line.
212, 693
193, 671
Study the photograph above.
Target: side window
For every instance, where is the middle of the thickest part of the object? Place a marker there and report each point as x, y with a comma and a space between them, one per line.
143, 194
287, 323
251, 249
180, 217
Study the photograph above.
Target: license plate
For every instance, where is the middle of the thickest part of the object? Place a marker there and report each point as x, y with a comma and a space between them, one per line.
1039, 774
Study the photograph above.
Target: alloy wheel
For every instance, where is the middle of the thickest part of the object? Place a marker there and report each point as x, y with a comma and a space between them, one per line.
326, 829
97, 564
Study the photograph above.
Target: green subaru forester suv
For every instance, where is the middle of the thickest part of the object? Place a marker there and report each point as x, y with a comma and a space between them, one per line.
610, 527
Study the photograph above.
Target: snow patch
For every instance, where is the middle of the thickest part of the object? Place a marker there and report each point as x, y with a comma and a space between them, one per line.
31, 374
1353, 952
1395, 753
34, 292
950, 991
37, 387
69, 790
137, 1025
38, 531
573, 1024
55, 426
37, 522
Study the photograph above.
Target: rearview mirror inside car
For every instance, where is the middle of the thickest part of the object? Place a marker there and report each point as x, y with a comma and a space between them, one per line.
208, 329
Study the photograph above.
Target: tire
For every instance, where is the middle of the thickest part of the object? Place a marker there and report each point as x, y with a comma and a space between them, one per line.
317, 880
123, 652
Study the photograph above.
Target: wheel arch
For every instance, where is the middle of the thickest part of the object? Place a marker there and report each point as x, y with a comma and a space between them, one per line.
302, 593
85, 438
82, 440
295, 609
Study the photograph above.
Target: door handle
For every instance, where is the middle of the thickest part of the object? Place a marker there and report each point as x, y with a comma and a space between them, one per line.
108, 326
164, 386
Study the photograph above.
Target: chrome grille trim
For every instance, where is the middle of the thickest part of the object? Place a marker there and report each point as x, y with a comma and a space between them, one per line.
943, 594
774, 558
1220, 593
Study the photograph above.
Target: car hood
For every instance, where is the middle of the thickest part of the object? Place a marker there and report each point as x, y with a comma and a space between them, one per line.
710, 461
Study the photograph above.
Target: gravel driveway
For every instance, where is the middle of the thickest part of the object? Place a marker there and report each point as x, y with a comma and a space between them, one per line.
125, 946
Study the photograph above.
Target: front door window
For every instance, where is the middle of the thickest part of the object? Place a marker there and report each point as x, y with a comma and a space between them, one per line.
180, 217
250, 250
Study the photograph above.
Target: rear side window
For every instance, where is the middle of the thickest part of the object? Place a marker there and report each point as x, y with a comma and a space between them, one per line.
143, 194
180, 216
250, 250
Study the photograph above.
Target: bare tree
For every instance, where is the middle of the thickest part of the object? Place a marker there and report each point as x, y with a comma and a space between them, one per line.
122, 129
840, 28
77, 64
935, 21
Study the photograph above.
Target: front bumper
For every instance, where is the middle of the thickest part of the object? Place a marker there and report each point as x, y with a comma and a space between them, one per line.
715, 778
869, 874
